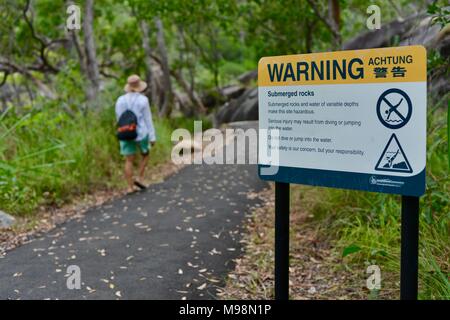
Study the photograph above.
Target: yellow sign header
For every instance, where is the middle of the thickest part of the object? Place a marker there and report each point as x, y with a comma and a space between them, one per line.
397, 64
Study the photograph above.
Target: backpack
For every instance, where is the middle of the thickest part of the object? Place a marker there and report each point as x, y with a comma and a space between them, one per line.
127, 126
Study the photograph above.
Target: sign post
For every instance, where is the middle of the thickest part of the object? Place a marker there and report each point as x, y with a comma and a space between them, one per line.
409, 263
351, 120
281, 241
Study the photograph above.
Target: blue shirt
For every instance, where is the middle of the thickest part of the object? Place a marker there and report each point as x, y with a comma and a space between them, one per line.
138, 103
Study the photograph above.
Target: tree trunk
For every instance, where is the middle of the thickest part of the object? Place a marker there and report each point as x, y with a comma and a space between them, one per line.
213, 36
89, 47
79, 50
148, 62
190, 64
334, 18
193, 96
166, 108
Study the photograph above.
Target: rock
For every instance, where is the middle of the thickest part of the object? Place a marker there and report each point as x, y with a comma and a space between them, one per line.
217, 97
385, 35
248, 76
232, 91
416, 29
212, 99
184, 104
244, 108
444, 45
6, 220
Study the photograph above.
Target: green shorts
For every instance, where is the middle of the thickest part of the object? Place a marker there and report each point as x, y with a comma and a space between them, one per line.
128, 148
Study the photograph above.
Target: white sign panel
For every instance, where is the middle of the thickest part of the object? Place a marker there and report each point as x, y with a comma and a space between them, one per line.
350, 119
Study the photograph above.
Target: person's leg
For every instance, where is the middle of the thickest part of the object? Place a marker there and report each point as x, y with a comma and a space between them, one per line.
145, 151
128, 150
142, 166
129, 172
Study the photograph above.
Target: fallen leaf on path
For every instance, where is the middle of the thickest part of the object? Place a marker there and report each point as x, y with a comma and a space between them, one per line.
202, 287
181, 291
214, 251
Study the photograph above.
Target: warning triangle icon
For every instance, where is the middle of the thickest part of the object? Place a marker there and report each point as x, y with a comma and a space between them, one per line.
393, 158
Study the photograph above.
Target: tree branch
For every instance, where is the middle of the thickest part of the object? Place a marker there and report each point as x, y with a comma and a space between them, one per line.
46, 65
5, 77
327, 23
107, 75
8, 66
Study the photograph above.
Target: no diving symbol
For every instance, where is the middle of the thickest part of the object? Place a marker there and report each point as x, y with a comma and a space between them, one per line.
394, 108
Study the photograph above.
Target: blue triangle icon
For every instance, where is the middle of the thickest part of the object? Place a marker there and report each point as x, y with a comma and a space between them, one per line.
393, 158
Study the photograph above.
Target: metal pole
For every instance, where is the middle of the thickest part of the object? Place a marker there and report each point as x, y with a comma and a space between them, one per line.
281, 241
409, 248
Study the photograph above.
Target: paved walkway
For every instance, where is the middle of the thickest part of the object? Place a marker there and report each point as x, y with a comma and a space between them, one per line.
175, 240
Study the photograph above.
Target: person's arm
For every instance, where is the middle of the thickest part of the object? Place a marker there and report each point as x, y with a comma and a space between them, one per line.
117, 110
149, 122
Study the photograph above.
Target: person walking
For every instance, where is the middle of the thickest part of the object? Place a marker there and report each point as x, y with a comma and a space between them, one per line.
135, 130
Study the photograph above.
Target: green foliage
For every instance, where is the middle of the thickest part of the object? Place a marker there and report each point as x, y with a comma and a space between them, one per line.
441, 12
350, 249
281, 27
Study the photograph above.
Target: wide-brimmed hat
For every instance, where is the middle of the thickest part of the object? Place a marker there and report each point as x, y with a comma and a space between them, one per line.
135, 84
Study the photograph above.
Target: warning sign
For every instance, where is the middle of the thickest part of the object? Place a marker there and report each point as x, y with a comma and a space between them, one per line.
349, 119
